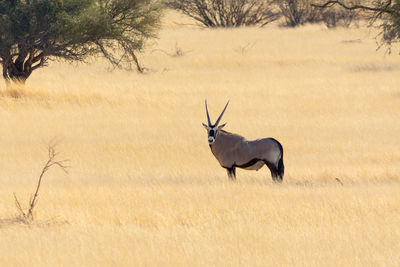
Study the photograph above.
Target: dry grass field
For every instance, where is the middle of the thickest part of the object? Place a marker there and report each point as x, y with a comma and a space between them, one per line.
144, 188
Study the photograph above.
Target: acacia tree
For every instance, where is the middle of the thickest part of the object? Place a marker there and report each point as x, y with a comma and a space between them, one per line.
32, 32
386, 12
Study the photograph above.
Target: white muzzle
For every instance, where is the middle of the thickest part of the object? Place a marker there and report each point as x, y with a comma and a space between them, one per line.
211, 140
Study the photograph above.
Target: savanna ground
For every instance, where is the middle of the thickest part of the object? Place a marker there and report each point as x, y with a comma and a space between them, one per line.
144, 188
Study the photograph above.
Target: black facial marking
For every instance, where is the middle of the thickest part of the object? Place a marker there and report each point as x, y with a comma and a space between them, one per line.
211, 133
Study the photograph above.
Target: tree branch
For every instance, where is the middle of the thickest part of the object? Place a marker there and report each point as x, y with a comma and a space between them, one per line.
40, 64
384, 9
38, 57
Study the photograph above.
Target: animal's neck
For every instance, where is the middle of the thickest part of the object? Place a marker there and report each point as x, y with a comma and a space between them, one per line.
216, 146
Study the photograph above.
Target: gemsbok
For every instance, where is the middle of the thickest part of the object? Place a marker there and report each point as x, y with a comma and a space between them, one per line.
234, 151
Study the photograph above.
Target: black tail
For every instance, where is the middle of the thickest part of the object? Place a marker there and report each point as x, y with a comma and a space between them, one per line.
281, 167
277, 172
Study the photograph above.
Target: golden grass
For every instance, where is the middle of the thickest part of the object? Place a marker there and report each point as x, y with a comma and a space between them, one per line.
144, 189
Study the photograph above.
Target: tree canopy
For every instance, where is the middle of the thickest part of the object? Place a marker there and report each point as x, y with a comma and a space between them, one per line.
32, 32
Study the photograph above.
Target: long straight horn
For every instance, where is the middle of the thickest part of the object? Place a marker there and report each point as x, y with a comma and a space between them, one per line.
208, 116
220, 116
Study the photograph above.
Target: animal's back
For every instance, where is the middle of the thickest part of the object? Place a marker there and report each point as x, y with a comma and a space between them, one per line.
266, 148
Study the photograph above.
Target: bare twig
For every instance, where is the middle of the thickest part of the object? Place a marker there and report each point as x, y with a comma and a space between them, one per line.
51, 161
19, 206
383, 9
243, 49
179, 52
339, 181
135, 59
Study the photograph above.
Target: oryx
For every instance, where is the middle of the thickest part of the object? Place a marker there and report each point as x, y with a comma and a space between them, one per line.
233, 150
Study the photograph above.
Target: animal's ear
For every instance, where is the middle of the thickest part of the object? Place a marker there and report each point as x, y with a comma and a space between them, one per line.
222, 126
206, 126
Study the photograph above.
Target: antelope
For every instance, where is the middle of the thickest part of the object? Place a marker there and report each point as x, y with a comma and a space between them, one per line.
234, 151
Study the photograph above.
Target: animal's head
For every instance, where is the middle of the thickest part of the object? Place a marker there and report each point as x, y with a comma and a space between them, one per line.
212, 129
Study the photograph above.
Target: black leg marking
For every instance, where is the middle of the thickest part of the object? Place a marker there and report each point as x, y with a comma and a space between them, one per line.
248, 164
231, 173
276, 177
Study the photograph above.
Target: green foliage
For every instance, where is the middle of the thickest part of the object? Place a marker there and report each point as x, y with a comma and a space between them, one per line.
35, 31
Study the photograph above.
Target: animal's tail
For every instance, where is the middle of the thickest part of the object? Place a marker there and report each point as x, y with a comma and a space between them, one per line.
281, 167
277, 171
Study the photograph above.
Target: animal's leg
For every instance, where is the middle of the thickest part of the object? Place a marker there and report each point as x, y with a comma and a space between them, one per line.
274, 172
278, 177
231, 173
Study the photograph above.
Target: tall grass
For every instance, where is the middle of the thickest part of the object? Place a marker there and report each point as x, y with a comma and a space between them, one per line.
144, 188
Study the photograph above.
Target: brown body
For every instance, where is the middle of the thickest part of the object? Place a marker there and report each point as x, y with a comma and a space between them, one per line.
232, 150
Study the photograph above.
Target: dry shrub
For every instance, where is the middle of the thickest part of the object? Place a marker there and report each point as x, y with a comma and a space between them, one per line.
299, 12
338, 16
227, 13
52, 161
